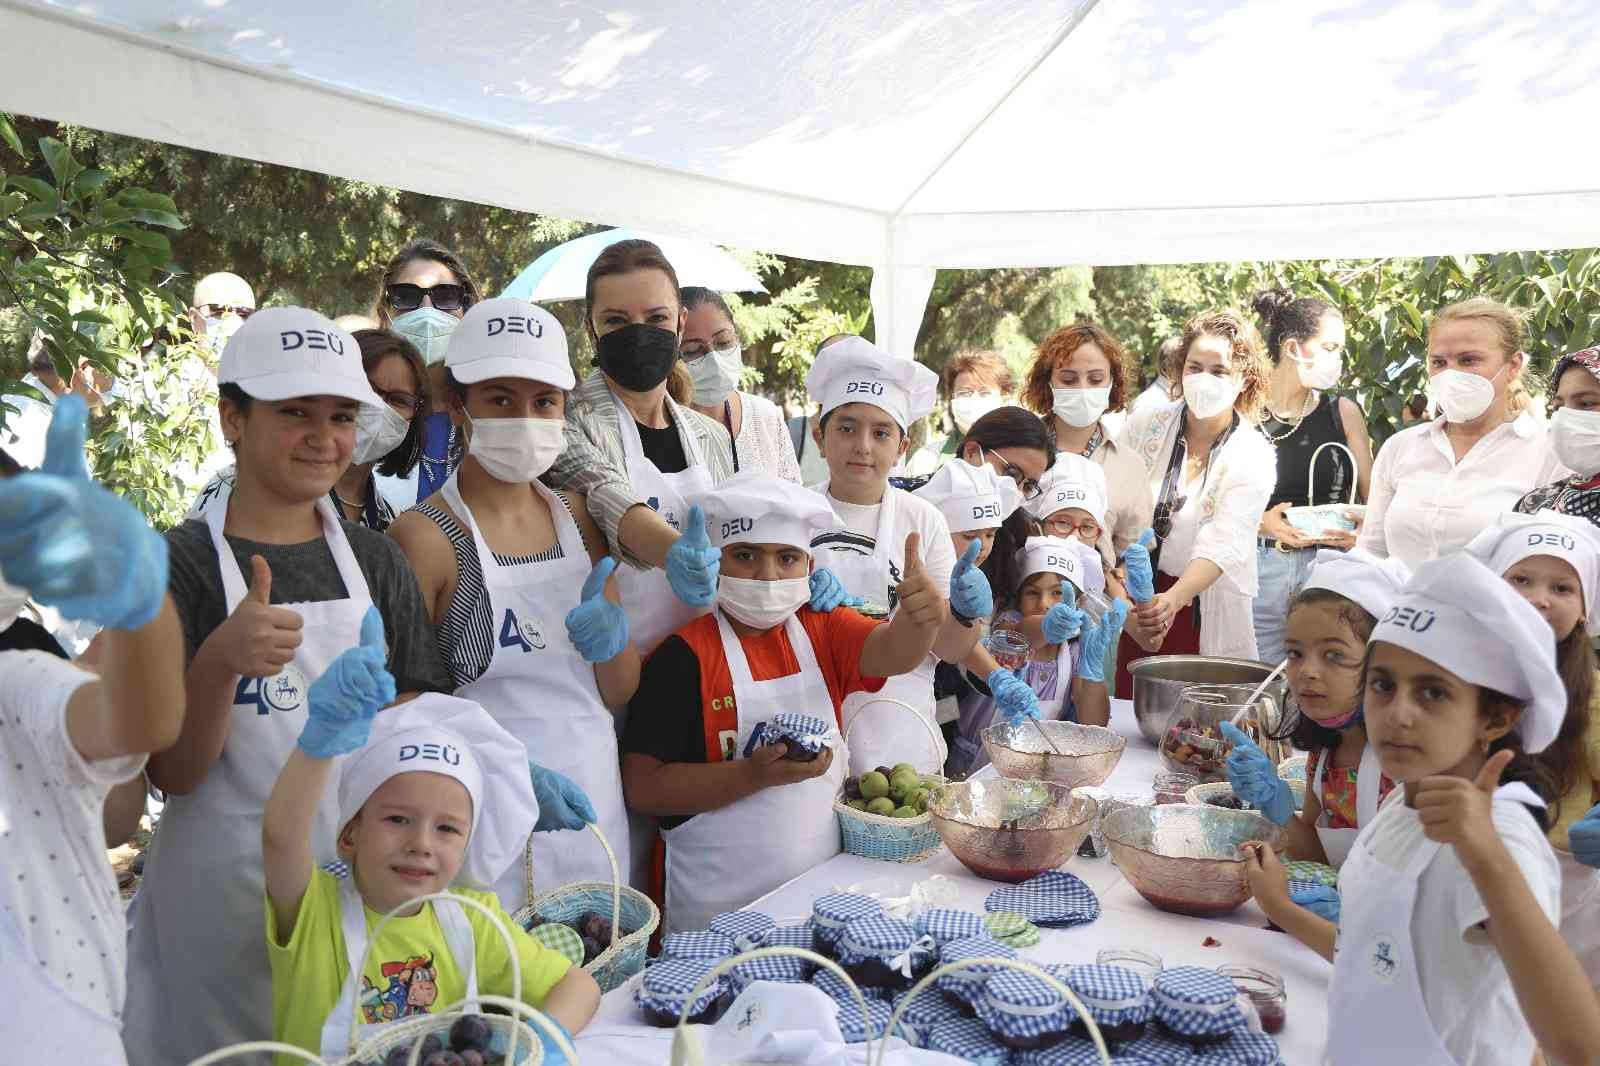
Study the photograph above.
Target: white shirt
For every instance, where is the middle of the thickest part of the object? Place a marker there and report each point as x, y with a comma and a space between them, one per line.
1464, 983
763, 442
911, 514
1424, 504
55, 883
1159, 392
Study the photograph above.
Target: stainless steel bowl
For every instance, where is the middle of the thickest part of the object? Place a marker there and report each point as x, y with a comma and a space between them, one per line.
1091, 751
1010, 830
1186, 859
1159, 679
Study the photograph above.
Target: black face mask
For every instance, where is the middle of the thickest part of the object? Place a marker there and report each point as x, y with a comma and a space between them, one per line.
638, 357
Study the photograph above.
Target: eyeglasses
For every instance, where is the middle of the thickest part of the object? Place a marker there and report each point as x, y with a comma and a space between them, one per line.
1088, 530
404, 296
1029, 488
406, 403
218, 310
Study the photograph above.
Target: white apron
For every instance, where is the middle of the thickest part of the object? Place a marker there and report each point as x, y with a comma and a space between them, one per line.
1336, 843
197, 956
543, 692
885, 735
336, 1040
722, 860
1580, 912
57, 1027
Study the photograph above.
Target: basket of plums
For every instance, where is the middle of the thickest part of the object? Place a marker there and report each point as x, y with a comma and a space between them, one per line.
883, 814
467, 1040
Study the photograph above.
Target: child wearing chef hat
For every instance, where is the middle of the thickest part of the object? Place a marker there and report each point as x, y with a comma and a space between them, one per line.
1451, 891
1072, 502
869, 400
741, 815
431, 792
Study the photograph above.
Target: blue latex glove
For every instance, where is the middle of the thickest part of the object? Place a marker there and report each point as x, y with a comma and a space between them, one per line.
343, 701
1097, 640
597, 627
1012, 695
970, 596
827, 592
1136, 565
1064, 621
1319, 900
553, 1054
74, 545
693, 564
1584, 837
562, 804
1255, 779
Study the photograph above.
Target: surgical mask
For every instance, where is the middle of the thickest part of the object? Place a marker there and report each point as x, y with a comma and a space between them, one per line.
379, 431
219, 329
1209, 395
715, 374
1460, 395
1321, 371
429, 329
1575, 438
1344, 721
516, 450
12, 599
762, 604
638, 357
965, 410
1080, 407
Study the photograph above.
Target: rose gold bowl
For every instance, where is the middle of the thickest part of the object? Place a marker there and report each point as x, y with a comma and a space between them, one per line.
1010, 830
1091, 751
1186, 859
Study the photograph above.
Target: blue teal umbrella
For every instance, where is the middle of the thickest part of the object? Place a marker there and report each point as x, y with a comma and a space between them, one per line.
561, 273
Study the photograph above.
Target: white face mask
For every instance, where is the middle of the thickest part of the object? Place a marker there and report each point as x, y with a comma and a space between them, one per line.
429, 329
1321, 370
1575, 438
965, 410
219, 329
762, 604
12, 600
516, 449
1209, 395
1460, 395
715, 374
1080, 407
379, 430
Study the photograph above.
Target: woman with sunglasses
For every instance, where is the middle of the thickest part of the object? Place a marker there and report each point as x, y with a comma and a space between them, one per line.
1211, 473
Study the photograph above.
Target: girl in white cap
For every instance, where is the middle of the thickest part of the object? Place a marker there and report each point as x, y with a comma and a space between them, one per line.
518, 583
291, 384
1447, 954
429, 792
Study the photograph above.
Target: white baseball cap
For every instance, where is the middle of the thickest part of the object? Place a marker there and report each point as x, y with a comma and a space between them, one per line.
281, 353
855, 370
756, 507
509, 338
971, 497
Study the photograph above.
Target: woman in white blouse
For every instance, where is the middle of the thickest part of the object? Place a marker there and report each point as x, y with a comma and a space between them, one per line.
711, 353
1437, 484
1211, 472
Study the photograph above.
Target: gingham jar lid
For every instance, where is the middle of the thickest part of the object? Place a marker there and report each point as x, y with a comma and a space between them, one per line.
1157, 1045
788, 936
1114, 995
945, 924
969, 1039
1019, 1005
1011, 928
837, 989
831, 913
926, 1011
1076, 1051
883, 938
1052, 898
1196, 1002
700, 944
745, 928
782, 969
1316, 872
667, 984
561, 939
971, 978
856, 1029
1240, 1049
809, 732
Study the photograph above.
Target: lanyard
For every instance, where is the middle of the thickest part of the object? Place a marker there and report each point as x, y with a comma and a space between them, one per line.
727, 420
1168, 499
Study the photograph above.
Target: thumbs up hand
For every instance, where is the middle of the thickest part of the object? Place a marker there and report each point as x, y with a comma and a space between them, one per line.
1136, 564
72, 544
258, 639
343, 701
597, 627
1457, 810
970, 596
1064, 621
693, 564
917, 595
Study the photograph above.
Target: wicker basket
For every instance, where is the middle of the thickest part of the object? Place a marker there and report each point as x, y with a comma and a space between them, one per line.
624, 957
877, 836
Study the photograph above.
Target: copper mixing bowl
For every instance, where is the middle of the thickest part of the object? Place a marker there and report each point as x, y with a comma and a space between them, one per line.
1186, 859
1017, 750
1007, 829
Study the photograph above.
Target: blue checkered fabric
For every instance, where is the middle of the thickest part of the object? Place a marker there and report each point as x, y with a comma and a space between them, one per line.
856, 1029
808, 732
923, 1013
788, 936
338, 868
945, 924
967, 984
1072, 1051
1240, 1049
969, 1039
1010, 992
831, 913
1100, 987
746, 928
700, 944
783, 969
1186, 999
1297, 884
1053, 898
882, 938
668, 983
1157, 1046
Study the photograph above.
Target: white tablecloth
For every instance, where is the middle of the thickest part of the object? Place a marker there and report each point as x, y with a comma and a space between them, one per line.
617, 1037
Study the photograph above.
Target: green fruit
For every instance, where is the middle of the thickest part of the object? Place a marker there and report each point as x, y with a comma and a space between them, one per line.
874, 785
905, 781
904, 767
931, 781
856, 804
881, 805
919, 799
905, 812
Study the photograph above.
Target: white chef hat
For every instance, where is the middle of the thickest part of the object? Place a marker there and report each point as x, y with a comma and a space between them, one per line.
509, 338
1371, 583
440, 734
756, 507
1053, 555
1575, 541
971, 497
1072, 481
855, 370
1457, 613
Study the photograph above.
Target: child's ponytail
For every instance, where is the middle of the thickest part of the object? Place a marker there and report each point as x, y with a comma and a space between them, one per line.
1523, 767
1563, 760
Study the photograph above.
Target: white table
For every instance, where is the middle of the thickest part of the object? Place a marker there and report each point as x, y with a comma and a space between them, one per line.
1126, 921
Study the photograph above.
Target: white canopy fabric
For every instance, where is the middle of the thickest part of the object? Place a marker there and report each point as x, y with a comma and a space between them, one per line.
906, 135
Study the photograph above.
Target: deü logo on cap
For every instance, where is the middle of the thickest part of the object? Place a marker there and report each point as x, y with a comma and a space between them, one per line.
525, 324
1554, 540
317, 340
445, 753
1418, 620
737, 525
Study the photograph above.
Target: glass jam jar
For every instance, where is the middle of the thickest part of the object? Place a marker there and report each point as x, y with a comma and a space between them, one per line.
1143, 963
1265, 991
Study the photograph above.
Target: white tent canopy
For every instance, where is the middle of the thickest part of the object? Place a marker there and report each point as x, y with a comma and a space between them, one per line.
906, 135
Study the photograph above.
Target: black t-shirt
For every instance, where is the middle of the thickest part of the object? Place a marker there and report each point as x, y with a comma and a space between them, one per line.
1334, 474
25, 634
663, 448
664, 716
